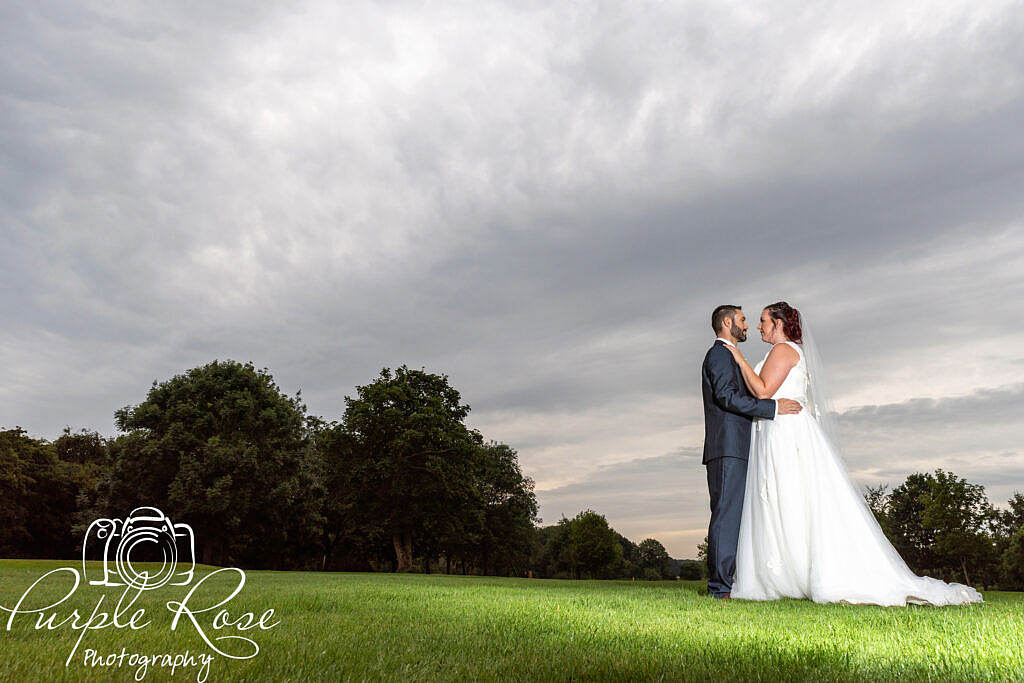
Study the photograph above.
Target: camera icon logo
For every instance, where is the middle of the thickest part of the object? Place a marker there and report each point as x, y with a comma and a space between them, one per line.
146, 535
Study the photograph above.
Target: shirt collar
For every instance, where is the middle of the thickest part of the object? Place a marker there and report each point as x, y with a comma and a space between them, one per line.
726, 341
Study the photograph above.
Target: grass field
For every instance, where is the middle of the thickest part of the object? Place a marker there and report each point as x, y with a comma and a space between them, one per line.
351, 626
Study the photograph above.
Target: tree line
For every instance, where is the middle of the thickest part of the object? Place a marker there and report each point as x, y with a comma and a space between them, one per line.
944, 526
398, 483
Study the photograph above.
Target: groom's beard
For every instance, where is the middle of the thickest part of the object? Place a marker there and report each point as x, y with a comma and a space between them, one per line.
740, 336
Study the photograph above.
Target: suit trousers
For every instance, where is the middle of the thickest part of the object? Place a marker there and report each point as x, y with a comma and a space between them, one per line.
727, 478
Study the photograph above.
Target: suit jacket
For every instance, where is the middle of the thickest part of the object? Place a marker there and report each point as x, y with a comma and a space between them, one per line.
729, 407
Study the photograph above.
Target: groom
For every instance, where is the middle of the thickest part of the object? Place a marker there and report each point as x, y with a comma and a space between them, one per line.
728, 411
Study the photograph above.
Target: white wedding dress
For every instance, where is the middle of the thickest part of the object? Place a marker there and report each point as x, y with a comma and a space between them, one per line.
806, 532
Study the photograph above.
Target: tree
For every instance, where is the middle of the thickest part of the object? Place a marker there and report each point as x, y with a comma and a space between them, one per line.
221, 448
878, 502
414, 458
346, 527
88, 454
1014, 516
38, 493
592, 544
905, 511
692, 571
960, 514
1006, 522
1012, 565
510, 509
82, 447
939, 523
1009, 539
629, 565
552, 553
652, 555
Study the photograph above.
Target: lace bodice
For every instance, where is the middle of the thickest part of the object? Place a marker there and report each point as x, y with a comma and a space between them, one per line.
795, 384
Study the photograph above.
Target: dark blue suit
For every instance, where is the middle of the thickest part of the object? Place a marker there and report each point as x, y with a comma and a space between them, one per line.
728, 411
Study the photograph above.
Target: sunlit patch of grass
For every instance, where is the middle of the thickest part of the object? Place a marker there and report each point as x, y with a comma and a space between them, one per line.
353, 626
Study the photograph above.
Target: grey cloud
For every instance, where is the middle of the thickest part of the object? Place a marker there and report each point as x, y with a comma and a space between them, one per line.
977, 436
544, 202
981, 410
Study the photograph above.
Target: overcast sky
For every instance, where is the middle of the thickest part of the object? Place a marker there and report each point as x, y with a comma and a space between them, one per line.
543, 201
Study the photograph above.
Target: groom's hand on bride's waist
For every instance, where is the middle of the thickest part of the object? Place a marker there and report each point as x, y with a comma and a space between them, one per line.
788, 406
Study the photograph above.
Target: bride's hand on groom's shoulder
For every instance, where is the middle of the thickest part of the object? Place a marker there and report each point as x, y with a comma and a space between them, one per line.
736, 353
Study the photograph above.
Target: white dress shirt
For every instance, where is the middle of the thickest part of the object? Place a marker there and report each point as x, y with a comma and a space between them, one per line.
734, 346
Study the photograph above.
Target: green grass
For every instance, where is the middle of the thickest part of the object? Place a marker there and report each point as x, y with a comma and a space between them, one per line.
352, 626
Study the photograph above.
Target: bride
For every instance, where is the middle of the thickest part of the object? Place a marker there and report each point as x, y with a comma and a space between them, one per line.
805, 530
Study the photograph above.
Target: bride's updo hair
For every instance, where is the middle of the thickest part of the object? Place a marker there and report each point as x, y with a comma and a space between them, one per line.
790, 318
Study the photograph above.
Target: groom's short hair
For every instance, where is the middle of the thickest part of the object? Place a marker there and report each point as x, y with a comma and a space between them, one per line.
720, 314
